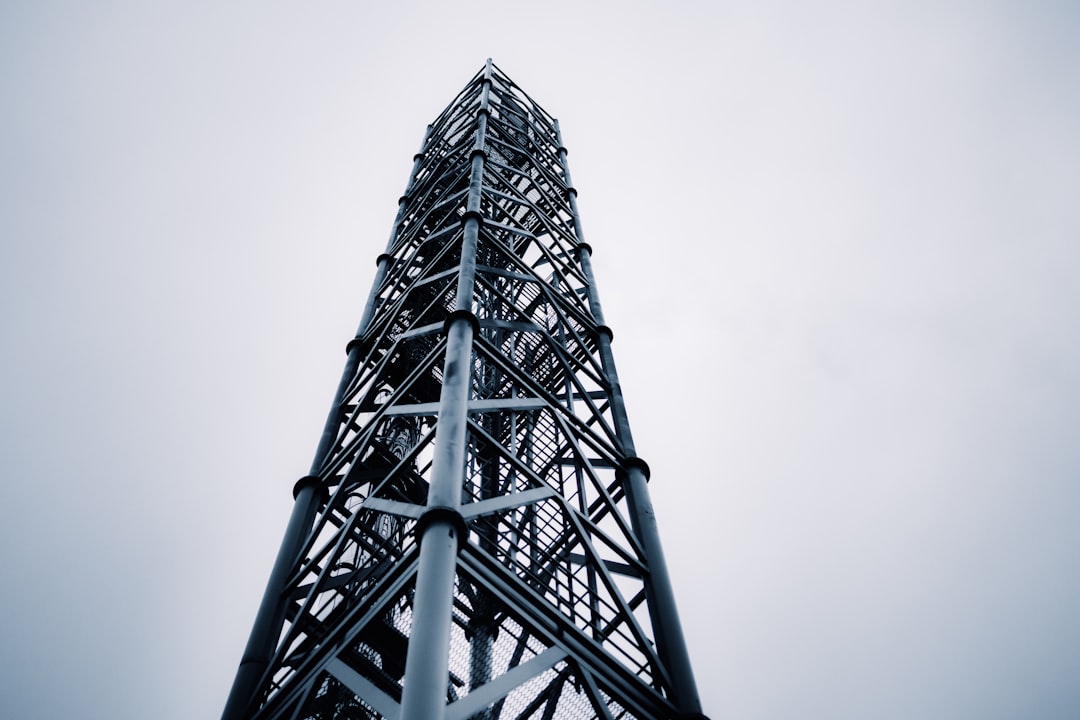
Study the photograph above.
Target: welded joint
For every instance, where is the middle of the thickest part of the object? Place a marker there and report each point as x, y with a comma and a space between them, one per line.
311, 481
441, 513
461, 315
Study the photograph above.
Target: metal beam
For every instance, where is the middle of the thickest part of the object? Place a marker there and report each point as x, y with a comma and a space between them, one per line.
364, 689
487, 694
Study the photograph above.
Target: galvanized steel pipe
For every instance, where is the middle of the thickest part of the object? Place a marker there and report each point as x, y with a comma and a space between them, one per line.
671, 642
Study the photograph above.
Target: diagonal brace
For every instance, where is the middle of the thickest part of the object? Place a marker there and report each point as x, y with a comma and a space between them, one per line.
484, 695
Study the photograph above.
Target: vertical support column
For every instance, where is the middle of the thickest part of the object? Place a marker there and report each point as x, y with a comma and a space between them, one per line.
441, 530
670, 640
308, 495
352, 360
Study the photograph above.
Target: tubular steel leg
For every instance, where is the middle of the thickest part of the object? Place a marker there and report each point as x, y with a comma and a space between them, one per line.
669, 635
427, 667
271, 614
427, 664
352, 361
672, 641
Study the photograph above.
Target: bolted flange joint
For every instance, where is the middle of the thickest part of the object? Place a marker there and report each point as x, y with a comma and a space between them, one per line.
441, 513
472, 215
352, 344
461, 315
311, 481
636, 462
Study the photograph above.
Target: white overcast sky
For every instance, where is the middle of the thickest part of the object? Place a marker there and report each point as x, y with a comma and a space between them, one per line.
838, 243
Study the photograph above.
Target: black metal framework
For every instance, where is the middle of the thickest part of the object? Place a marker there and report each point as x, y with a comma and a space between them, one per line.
475, 539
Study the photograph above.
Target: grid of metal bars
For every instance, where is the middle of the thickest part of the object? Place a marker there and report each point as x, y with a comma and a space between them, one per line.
551, 615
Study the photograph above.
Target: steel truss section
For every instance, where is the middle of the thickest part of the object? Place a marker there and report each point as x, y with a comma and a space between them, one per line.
475, 539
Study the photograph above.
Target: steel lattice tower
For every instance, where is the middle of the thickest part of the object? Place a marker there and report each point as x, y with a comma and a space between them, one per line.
475, 539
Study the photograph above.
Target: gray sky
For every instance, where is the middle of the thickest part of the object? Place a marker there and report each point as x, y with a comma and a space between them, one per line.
854, 228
